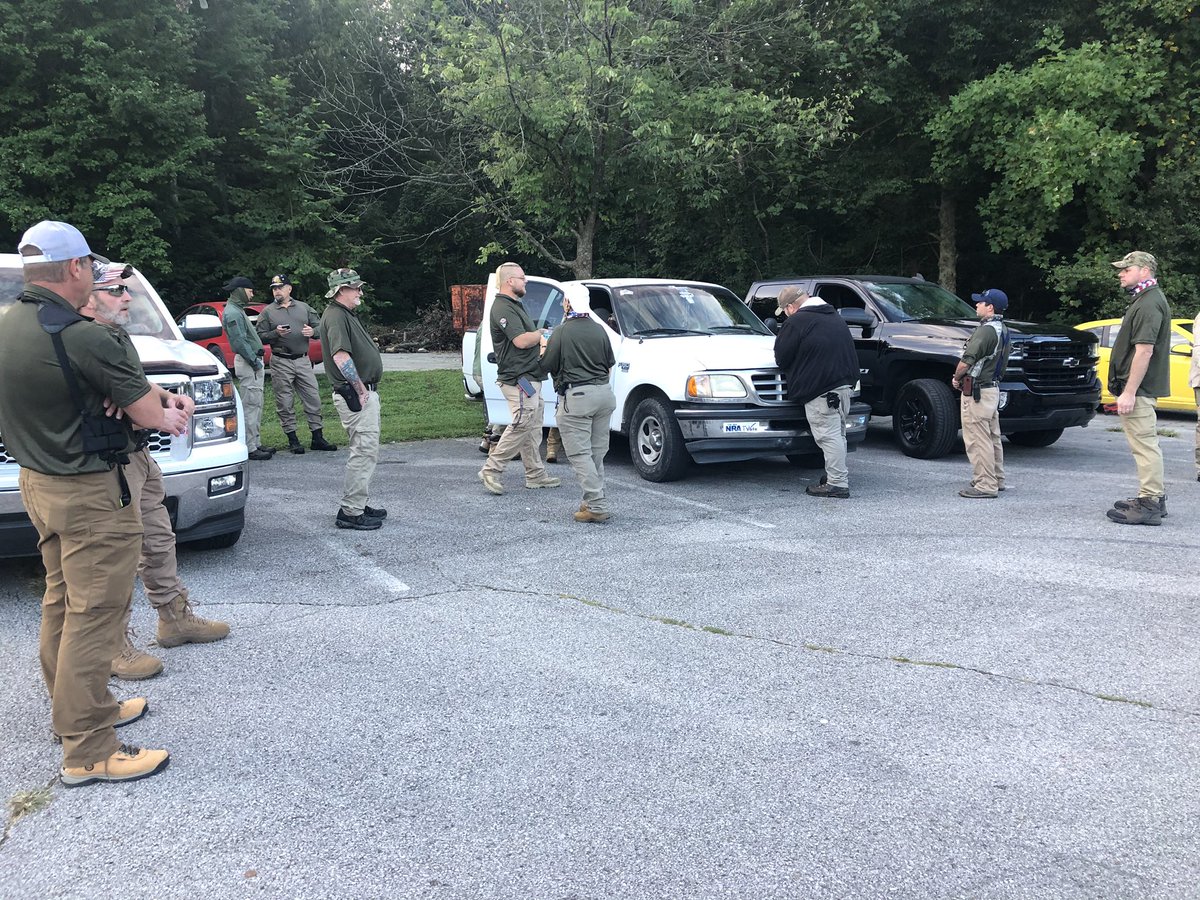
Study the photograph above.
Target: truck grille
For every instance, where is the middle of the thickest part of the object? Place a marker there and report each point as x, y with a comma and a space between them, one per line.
4, 457
1056, 365
771, 387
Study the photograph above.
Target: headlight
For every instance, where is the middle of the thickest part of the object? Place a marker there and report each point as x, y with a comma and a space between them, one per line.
1003, 400
715, 387
218, 427
212, 391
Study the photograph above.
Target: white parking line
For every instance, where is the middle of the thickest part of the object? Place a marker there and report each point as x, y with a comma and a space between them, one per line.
366, 573
640, 486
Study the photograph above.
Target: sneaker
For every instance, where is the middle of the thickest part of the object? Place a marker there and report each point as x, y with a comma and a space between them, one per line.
260, 454
974, 493
590, 515
372, 513
133, 664
128, 712
1133, 501
491, 482
361, 522
545, 481
825, 489
128, 763
177, 624
1144, 512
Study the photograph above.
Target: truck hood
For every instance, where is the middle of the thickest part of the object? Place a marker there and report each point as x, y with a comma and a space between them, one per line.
960, 329
719, 351
175, 357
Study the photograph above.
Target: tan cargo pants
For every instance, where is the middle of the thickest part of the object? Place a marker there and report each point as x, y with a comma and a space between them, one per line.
363, 429
157, 567
1141, 433
981, 437
523, 437
250, 385
828, 428
583, 417
90, 546
288, 378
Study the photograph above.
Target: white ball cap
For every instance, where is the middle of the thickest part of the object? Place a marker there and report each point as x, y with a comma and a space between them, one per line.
578, 297
57, 241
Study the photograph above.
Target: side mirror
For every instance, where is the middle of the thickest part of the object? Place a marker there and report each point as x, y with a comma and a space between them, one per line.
858, 318
491, 357
772, 323
1184, 349
200, 327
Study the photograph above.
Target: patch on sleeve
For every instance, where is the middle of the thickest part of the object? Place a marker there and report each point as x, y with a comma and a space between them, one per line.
503, 322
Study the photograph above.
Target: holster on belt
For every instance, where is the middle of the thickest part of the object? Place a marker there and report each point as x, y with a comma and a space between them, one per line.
967, 385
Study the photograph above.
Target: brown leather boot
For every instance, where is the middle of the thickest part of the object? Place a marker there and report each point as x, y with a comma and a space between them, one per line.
177, 624
133, 664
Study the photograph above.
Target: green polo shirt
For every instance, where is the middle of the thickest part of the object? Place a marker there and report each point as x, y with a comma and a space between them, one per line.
509, 320
578, 352
297, 314
40, 423
1147, 321
343, 331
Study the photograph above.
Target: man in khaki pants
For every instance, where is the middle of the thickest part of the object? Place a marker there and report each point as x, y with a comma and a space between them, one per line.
109, 305
354, 366
74, 488
978, 375
1138, 374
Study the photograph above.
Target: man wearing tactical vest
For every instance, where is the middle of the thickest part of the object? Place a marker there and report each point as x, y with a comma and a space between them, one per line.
56, 371
978, 376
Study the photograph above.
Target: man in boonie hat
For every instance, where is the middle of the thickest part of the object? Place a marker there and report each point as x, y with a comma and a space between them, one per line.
1138, 374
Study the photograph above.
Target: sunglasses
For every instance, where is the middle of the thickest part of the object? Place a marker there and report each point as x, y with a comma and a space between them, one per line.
116, 290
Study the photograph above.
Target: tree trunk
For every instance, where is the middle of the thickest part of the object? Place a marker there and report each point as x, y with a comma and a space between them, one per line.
948, 240
585, 247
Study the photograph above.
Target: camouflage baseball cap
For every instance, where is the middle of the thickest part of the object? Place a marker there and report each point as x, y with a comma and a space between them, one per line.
340, 278
1137, 258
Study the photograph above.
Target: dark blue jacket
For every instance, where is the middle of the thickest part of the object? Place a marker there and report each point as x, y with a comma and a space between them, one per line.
816, 352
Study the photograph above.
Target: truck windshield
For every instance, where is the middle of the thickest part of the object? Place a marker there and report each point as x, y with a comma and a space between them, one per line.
670, 309
144, 312
901, 302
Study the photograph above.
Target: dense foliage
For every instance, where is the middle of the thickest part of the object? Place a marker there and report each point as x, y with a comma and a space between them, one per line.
1015, 144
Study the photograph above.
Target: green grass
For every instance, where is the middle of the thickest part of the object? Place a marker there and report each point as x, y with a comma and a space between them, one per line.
416, 406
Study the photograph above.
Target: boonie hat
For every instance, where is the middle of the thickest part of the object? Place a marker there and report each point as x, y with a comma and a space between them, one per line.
280, 280
996, 297
57, 241
340, 278
1137, 258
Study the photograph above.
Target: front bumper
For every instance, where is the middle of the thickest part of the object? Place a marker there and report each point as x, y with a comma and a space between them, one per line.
709, 437
1027, 411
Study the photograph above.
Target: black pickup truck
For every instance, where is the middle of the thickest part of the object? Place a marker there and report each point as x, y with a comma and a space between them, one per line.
910, 333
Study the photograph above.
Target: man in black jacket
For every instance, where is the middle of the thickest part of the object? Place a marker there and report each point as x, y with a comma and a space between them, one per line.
816, 353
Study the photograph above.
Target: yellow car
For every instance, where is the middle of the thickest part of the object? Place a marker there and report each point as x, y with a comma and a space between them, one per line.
1183, 397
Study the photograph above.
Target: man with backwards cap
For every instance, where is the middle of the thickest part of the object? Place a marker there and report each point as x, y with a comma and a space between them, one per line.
287, 324
177, 624
56, 371
248, 364
1138, 374
978, 376
579, 357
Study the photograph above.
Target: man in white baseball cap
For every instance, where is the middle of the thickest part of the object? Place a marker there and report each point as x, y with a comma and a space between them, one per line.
57, 242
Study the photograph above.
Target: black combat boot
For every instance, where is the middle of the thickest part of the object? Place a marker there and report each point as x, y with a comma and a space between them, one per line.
319, 442
294, 443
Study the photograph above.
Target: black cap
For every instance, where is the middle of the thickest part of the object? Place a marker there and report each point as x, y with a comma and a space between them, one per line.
241, 281
280, 280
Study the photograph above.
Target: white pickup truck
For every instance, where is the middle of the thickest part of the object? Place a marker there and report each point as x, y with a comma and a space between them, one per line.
205, 471
695, 377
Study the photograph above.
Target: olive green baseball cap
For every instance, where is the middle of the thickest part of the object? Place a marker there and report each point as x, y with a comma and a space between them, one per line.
340, 278
1137, 258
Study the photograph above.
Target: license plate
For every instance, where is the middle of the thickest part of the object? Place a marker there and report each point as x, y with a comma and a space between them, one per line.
743, 427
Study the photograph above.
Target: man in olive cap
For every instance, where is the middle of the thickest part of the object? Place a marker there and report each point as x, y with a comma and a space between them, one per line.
1138, 374
248, 363
354, 367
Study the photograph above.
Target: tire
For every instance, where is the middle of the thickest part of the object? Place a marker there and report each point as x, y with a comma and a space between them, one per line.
656, 443
925, 419
216, 542
807, 460
1043, 438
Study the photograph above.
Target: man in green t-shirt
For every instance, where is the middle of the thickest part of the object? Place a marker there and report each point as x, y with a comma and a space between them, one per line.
354, 367
518, 345
983, 361
1138, 374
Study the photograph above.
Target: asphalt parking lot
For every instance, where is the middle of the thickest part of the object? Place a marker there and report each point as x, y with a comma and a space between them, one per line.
732, 690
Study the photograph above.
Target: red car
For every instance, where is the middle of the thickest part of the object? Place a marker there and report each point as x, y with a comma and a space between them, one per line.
219, 346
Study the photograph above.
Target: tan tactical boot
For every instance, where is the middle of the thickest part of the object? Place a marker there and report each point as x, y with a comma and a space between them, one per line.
553, 445
177, 624
127, 764
590, 515
133, 664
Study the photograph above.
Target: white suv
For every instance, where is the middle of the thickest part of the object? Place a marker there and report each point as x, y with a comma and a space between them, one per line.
205, 474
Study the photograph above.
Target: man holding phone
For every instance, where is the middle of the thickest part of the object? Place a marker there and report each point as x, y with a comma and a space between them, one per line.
287, 325
518, 347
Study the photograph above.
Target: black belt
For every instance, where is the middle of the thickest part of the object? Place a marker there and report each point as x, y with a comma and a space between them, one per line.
983, 384
291, 355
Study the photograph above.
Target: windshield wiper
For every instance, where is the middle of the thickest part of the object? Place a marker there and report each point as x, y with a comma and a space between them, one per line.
650, 331
732, 328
